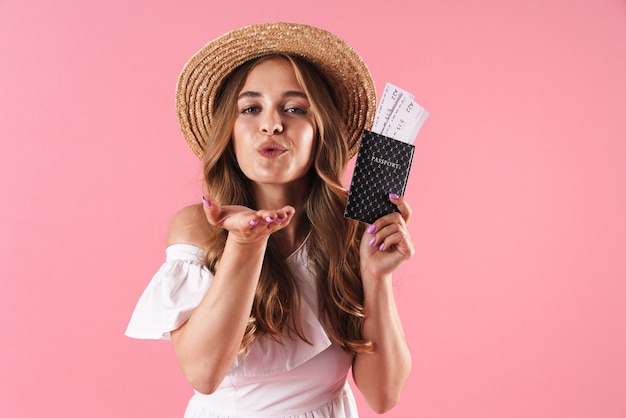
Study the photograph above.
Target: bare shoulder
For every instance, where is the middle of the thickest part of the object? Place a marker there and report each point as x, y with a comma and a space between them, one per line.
188, 226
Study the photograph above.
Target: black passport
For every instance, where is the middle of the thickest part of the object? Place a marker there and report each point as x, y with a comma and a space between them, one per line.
382, 167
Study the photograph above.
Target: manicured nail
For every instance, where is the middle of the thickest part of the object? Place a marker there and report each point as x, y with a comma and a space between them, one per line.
381, 247
280, 219
372, 242
393, 196
253, 222
371, 229
269, 219
205, 202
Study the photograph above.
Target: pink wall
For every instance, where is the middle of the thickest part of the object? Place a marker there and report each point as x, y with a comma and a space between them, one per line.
515, 302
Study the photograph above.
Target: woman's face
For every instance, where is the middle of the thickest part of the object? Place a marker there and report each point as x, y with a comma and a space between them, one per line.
274, 131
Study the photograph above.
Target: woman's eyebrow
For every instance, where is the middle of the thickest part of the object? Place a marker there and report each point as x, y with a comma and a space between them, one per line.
296, 94
290, 93
249, 94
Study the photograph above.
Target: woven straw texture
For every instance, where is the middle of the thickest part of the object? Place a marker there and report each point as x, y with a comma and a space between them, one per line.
344, 70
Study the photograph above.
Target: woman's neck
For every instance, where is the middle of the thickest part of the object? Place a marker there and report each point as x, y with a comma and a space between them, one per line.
271, 197
290, 238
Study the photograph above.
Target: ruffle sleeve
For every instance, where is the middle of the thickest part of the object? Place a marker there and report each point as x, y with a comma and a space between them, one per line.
171, 296
180, 284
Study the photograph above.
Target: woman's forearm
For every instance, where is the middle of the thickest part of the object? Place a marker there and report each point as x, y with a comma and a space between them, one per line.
381, 374
207, 344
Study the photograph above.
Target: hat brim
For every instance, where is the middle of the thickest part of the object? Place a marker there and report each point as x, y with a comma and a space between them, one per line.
344, 70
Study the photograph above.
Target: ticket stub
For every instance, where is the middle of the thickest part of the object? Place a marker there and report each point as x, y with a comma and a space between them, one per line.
390, 98
398, 115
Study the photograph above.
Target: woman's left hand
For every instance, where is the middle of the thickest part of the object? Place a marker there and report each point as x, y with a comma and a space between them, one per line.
386, 244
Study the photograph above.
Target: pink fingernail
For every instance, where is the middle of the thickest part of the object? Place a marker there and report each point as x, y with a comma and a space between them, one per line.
254, 222
382, 247
371, 229
269, 219
280, 219
393, 196
372, 242
205, 202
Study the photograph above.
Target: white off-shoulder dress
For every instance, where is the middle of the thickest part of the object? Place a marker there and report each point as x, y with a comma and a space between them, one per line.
290, 378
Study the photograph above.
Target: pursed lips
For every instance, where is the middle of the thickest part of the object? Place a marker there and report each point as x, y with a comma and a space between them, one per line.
271, 149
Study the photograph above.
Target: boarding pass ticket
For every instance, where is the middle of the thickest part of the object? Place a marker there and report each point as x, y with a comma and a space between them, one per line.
398, 115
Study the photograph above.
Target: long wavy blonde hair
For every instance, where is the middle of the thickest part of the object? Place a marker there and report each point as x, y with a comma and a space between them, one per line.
333, 243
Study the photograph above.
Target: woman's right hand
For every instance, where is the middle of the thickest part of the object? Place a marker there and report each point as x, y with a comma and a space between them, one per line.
244, 224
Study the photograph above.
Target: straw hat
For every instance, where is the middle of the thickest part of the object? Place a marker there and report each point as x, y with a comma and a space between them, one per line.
343, 69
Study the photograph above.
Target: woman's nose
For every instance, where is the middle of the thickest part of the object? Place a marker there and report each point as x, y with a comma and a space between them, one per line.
272, 123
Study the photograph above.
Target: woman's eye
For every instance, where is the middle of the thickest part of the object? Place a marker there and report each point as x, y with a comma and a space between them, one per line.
296, 110
248, 110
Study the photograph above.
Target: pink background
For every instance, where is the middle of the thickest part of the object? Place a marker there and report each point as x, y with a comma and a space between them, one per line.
515, 303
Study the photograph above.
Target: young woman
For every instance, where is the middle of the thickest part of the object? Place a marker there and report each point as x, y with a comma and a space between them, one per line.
268, 294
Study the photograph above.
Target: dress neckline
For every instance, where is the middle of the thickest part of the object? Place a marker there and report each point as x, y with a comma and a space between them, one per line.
300, 247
